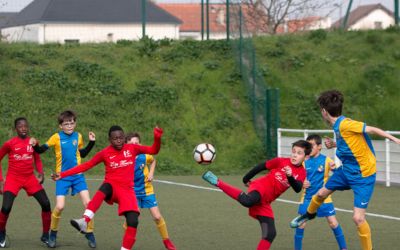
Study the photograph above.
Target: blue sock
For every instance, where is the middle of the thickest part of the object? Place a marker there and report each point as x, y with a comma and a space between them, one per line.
339, 237
298, 239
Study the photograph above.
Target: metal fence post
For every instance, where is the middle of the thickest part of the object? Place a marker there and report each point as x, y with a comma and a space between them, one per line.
387, 161
144, 18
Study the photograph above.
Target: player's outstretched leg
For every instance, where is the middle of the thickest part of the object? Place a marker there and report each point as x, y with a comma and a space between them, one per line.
210, 177
80, 225
299, 220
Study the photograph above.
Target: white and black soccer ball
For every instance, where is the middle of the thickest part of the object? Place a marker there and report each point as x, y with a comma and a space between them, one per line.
204, 153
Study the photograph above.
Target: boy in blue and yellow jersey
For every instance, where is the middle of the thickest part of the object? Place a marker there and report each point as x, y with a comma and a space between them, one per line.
358, 170
68, 148
145, 165
318, 167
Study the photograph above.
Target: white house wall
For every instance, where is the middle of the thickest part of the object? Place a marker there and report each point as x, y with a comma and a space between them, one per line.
368, 22
88, 33
28, 33
95, 33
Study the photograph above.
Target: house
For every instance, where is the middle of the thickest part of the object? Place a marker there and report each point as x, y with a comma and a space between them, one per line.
304, 24
61, 21
374, 16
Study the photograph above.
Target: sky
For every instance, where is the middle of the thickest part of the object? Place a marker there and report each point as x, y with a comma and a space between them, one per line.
17, 5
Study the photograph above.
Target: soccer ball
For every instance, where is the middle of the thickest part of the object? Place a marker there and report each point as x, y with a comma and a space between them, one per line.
204, 153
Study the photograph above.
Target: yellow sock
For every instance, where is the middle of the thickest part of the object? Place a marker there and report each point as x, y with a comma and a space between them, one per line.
162, 228
90, 226
314, 204
55, 219
364, 232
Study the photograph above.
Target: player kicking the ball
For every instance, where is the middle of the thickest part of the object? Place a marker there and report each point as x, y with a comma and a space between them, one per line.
283, 173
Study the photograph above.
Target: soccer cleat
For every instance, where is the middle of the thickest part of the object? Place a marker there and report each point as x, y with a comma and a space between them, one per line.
45, 238
296, 222
91, 240
80, 225
169, 245
52, 241
4, 240
210, 178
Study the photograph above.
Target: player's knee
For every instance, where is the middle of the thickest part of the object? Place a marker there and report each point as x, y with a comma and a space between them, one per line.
358, 219
157, 218
321, 195
247, 200
46, 207
60, 207
333, 224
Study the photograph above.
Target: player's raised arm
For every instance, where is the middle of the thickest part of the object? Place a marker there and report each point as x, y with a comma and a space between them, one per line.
153, 149
92, 140
380, 132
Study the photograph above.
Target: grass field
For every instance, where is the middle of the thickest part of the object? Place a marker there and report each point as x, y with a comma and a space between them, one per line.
200, 219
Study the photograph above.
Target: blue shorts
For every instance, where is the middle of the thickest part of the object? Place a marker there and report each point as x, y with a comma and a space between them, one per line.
147, 201
362, 187
76, 185
325, 210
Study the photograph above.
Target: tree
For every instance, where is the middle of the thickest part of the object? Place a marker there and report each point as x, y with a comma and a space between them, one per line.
268, 16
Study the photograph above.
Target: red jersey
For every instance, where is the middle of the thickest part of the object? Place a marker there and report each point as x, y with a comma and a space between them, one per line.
274, 183
119, 164
21, 157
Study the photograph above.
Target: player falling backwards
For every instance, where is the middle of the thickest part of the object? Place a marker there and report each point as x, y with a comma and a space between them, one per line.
118, 185
358, 170
20, 175
283, 173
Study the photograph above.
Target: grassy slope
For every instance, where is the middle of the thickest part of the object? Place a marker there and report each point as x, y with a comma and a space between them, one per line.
364, 65
188, 88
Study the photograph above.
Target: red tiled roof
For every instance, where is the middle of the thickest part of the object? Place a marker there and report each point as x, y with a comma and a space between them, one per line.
190, 14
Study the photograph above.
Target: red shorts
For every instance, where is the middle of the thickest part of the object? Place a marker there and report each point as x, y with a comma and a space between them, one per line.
264, 207
125, 198
15, 183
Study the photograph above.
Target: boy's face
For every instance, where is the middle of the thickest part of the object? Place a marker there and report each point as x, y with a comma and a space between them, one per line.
315, 148
117, 139
22, 128
68, 126
298, 156
134, 140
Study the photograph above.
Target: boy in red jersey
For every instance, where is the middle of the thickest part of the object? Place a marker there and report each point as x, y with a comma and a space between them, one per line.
283, 173
20, 175
119, 161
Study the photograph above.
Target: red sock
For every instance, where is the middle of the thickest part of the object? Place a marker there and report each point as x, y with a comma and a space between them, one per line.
129, 238
96, 201
264, 245
3, 221
46, 220
229, 190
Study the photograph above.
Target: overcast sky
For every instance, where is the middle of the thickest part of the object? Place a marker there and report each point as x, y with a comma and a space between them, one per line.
17, 5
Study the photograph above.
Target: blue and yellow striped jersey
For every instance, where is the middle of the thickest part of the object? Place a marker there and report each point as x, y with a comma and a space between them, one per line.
66, 148
142, 164
354, 147
317, 169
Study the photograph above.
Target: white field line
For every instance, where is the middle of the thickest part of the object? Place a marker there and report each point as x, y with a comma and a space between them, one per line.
281, 200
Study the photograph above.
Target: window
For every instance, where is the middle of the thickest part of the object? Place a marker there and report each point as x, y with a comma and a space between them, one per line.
71, 41
378, 25
110, 37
